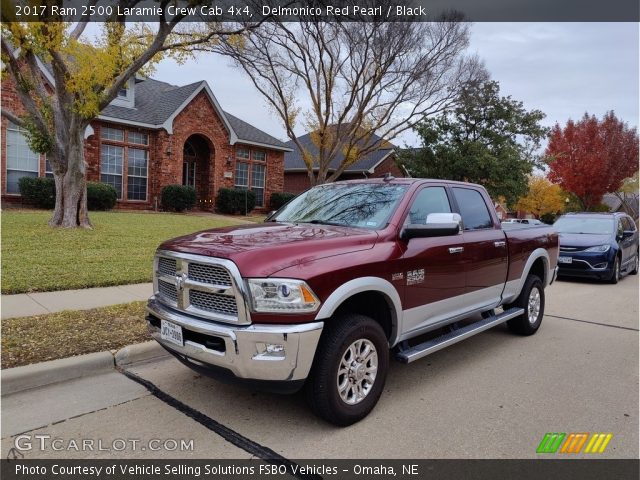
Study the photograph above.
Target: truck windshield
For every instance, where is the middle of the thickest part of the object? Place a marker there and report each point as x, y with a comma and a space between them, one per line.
592, 226
365, 205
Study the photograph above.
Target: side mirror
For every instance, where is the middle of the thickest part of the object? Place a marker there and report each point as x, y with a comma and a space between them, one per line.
627, 233
437, 225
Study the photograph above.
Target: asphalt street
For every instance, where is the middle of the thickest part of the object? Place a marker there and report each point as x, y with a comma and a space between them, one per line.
492, 396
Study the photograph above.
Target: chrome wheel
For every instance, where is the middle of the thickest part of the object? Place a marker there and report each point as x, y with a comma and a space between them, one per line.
533, 307
357, 371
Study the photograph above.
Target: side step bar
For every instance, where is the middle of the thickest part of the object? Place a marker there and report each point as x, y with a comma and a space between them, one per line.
430, 346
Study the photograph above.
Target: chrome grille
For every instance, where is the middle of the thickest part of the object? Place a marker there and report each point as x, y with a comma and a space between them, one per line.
167, 266
213, 274
168, 291
206, 287
213, 302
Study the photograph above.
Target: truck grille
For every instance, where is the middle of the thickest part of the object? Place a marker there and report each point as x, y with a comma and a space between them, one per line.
201, 286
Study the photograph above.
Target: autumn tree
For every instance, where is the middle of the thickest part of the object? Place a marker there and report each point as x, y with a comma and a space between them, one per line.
592, 157
354, 84
85, 74
542, 198
485, 139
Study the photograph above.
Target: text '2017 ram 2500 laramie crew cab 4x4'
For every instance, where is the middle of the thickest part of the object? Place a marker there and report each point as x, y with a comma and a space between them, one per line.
344, 274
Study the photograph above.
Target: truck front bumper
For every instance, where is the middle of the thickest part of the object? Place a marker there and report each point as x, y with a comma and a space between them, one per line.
260, 353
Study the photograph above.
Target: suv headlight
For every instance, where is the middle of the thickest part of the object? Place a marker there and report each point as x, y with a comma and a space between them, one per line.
599, 248
281, 295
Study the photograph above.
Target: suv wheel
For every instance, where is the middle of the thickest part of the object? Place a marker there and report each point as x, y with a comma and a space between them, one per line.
531, 299
636, 264
349, 370
615, 274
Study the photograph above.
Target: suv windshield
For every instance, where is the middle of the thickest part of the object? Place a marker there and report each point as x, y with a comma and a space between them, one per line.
593, 226
365, 205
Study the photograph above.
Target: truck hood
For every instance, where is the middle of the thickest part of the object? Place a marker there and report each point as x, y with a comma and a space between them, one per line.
583, 240
263, 249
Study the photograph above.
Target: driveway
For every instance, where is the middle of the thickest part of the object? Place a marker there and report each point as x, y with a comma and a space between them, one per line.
492, 396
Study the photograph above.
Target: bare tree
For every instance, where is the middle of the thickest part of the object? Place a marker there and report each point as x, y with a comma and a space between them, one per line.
86, 74
354, 84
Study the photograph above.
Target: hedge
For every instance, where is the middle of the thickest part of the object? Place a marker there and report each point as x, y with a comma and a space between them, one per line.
101, 196
278, 199
38, 191
232, 200
178, 197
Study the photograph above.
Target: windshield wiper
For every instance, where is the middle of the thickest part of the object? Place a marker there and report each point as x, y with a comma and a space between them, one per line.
324, 222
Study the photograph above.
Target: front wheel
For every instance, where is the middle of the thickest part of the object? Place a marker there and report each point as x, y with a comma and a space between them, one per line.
615, 274
349, 370
531, 299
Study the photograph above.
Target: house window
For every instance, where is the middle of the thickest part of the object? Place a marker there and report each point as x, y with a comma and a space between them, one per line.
115, 134
259, 155
48, 169
21, 160
137, 174
111, 160
138, 138
122, 93
251, 171
257, 183
242, 174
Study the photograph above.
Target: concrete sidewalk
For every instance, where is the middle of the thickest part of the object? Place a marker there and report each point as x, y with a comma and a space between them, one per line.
28, 304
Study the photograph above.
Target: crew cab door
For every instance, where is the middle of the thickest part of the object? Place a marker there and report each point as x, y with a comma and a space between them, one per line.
432, 270
485, 249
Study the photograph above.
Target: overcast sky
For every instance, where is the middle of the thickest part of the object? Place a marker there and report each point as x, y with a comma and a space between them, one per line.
563, 69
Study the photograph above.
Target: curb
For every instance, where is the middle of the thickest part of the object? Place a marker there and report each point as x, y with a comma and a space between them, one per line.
18, 379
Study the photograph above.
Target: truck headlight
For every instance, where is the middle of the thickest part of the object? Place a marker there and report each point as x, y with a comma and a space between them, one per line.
598, 248
281, 295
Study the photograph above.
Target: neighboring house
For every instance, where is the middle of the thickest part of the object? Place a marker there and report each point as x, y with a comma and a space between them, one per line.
155, 134
374, 164
616, 204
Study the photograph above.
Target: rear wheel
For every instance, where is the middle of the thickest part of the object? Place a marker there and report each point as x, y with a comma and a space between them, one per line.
531, 299
615, 274
349, 370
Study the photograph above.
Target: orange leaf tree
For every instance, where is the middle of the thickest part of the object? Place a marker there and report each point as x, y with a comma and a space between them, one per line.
592, 157
542, 198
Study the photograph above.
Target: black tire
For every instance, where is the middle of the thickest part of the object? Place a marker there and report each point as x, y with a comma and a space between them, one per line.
322, 392
615, 274
523, 325
635, 267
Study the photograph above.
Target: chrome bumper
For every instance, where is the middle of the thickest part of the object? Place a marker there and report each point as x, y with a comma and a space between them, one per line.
244, 353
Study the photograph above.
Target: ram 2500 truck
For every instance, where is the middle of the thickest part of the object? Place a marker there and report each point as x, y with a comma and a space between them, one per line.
343, 277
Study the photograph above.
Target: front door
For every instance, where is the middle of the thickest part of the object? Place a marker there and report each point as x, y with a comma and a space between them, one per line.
433, 268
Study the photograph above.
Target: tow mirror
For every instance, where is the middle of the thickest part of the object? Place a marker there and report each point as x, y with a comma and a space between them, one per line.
437, 225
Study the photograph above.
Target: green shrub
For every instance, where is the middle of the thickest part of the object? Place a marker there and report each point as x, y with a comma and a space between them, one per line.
232, 200
39, 192
101, 196
178, 197
278, 199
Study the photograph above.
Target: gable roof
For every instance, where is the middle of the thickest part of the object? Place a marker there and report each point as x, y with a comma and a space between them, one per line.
158, 103
293, 160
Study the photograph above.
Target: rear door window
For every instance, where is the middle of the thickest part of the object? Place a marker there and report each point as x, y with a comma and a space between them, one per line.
474, 212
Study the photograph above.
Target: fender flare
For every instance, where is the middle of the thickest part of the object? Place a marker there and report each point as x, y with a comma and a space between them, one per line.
360, 285
511, 294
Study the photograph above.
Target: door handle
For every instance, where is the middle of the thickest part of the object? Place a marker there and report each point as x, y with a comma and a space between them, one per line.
500, 244
456, 250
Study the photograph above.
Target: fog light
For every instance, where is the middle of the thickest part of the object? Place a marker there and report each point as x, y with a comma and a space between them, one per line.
269, 351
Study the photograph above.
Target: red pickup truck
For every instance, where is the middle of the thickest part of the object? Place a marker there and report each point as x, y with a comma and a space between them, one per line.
342, 277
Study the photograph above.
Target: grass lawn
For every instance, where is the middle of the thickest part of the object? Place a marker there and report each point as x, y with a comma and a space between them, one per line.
58, 335
118, 251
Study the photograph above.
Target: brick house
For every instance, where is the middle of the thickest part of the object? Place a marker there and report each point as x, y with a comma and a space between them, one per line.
155, 134
375, 164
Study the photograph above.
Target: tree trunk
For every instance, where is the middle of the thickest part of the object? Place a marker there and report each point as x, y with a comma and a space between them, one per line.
71, 185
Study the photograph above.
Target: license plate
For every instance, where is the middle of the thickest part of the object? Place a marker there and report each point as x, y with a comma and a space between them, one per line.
565, 259
171, 332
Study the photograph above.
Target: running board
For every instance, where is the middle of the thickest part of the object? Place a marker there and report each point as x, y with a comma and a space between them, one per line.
430, 346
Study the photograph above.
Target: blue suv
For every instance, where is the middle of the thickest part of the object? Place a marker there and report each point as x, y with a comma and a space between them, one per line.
601, 245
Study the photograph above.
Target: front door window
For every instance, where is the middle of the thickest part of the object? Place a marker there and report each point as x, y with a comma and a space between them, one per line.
189, 173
